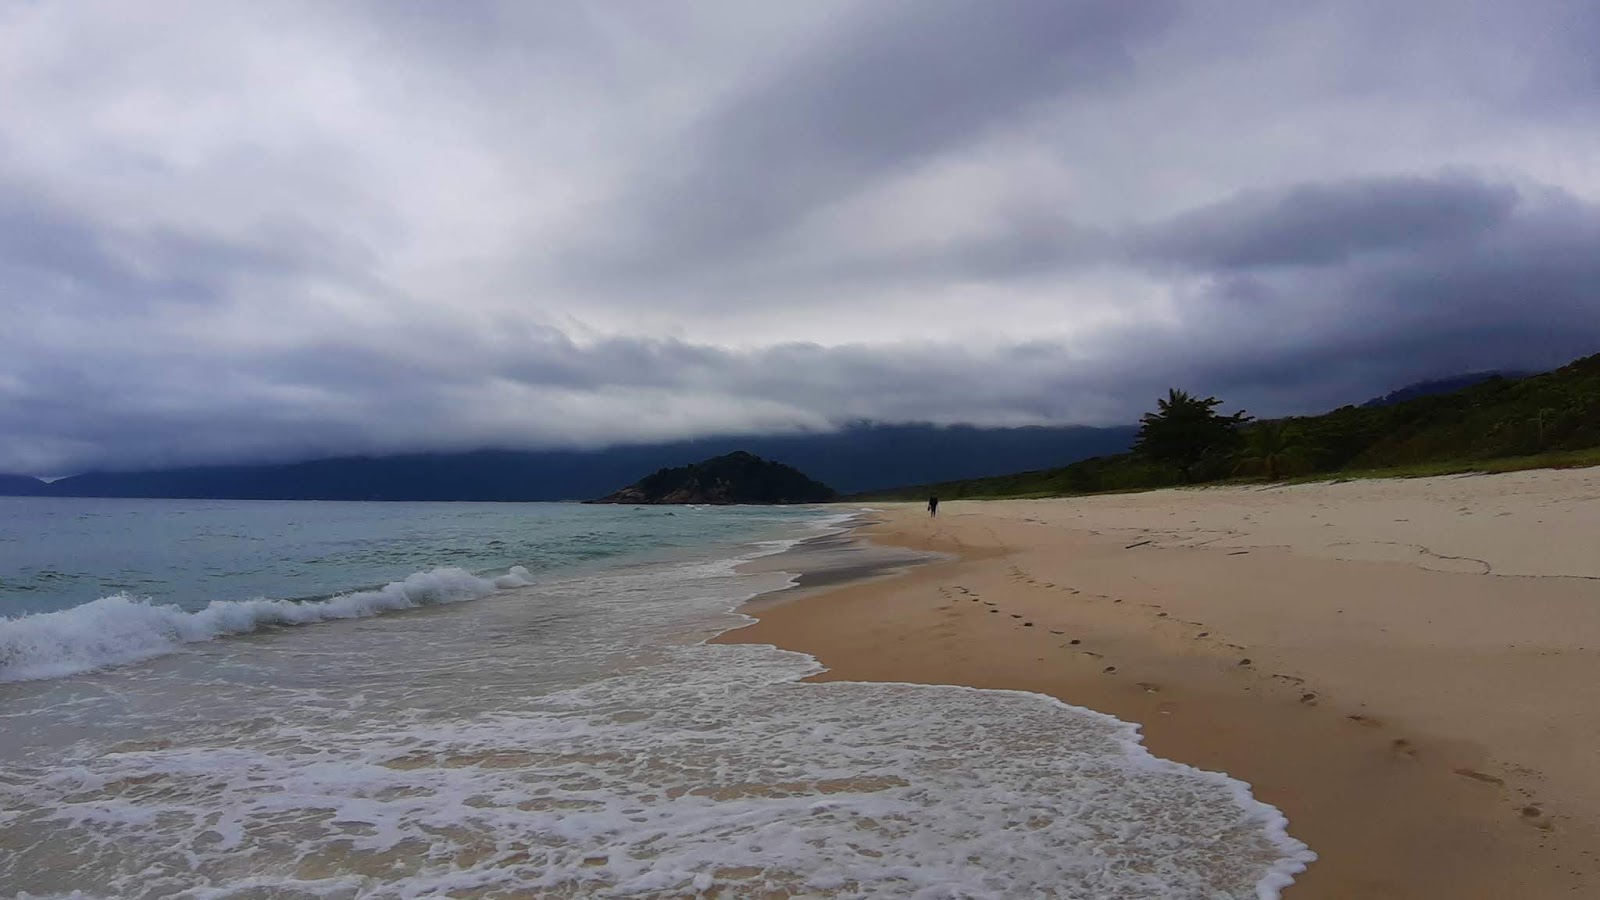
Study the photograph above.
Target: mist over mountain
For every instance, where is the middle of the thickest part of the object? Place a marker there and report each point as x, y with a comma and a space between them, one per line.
857, 458
21, 485
1436, 386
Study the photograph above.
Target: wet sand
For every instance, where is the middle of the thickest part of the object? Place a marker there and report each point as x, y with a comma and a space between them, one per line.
1410, 670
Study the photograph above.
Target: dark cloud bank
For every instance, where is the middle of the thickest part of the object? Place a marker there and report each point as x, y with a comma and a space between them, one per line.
759, 269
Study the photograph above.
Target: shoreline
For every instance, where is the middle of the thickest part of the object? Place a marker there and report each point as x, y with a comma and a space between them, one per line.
1377, 697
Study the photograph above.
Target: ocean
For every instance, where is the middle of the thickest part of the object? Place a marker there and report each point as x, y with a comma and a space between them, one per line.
209, 699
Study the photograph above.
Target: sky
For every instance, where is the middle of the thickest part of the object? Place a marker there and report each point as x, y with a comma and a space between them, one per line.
235, 232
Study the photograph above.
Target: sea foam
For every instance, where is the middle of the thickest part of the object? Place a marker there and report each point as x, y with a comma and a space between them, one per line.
667, 783
575, 748
122, 629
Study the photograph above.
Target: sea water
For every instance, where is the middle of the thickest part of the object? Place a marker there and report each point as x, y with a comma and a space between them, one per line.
230, 699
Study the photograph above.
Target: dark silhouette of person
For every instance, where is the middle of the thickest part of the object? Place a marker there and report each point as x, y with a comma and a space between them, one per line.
933, 506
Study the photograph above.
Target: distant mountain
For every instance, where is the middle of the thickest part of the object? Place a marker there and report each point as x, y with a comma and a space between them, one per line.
1439, 386
737, 477
1550, 419
856, 458
21, 486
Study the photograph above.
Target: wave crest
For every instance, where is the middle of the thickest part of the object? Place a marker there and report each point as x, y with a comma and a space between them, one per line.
122, 629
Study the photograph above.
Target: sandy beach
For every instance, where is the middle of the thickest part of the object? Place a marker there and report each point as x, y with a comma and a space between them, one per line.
1408, 669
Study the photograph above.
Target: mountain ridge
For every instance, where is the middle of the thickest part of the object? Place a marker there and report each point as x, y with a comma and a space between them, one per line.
21, 486
1434, 386
861, 456
1547, 419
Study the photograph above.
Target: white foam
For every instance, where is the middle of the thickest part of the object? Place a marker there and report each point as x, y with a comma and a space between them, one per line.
122, 629
667, 783
516, 577
706, 767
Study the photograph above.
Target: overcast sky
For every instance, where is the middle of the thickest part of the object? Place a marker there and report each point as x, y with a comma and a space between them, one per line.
236, 231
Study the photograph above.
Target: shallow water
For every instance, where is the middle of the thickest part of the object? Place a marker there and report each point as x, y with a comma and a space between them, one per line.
573, 736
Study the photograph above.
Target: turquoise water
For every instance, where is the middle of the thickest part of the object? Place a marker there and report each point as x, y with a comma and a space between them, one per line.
335, 700
87, 584
61, 552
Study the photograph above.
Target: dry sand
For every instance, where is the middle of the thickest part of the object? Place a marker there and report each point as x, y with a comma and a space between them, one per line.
1410, 670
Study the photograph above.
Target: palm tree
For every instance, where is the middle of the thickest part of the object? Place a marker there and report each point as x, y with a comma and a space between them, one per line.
1185, 430
1271, 447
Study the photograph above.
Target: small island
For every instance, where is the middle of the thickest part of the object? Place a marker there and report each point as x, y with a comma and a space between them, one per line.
738, 477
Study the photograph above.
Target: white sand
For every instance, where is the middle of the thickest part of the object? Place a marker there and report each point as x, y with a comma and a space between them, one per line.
1422, 695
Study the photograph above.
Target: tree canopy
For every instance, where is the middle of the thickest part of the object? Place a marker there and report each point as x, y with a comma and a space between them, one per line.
1186, 430
1271, 448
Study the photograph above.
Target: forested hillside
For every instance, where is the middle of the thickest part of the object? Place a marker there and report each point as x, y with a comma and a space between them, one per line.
1498, 423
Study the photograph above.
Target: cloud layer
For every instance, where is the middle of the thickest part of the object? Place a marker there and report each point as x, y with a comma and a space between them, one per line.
231, 234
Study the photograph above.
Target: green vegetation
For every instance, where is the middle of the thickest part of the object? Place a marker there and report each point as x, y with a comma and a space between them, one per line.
737, 477
1187, 433
1498, 425
1272, 449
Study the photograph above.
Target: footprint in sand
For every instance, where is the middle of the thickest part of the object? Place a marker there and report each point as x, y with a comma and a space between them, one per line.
1403, 747
1475, 775
1092, 655
1027, 624
1074, 641
1108, 670
1148, 687
1364, 721
1016, 616
1053, 631
1308, 698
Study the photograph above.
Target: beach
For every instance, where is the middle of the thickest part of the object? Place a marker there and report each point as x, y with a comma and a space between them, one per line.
535, 710
1407, 669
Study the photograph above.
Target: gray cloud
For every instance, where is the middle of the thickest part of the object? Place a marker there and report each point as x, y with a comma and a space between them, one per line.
894, 84
1467, 275
1328, 224
275, 234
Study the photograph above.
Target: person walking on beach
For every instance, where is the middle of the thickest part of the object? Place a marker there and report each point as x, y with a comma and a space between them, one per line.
933, 506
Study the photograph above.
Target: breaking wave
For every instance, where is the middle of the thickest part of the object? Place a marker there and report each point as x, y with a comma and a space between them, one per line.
122, 629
